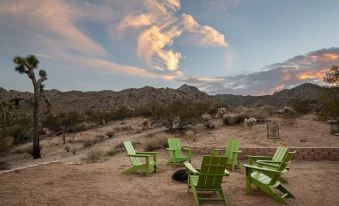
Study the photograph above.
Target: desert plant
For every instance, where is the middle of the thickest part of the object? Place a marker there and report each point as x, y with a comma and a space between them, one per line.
233, 119
27, 65
110, 134
209, 124
123, 127
221, 112
146, 124
93, 141
94, 155
190, 135
74, 149
250, 122
206, 117
301, 106
330, 105
332, 76
155, 142
67, 148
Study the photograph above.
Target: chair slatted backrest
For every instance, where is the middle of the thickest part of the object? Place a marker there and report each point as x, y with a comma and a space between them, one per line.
130, 150
174, 143
232, 145
211, 172
280, 153
286, 160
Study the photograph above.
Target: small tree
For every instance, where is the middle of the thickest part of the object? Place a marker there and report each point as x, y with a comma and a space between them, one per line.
27, 65
332, 76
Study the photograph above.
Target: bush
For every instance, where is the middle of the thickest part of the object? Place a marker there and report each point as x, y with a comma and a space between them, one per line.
95, 140
156, 142
221, 112
94, 155
302, 106
22, 136
26, 148
209, 124
250, 122
146, 124
330, 105
67, 148
178, 115
233, 119
110, 134
122, 128
189, 135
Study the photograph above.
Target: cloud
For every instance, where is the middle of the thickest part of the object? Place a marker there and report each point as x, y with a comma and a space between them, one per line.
297, 70
203, 35
161, 27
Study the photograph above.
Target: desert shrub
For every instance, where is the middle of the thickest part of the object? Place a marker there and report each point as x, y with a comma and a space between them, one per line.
94, 155
22, 135
330, 105
4, 165
156, 142
209, 124
302, 106
233, 119
74, 149
250, 122
65, 122
289, 113
110, 134
123, 128
93, 141
179, 115
206, 117
22, 149
190, 135
146, 124
67, 148
221, 112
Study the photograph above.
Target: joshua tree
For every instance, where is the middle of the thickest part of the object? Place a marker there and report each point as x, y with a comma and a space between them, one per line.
333, 75
26, 65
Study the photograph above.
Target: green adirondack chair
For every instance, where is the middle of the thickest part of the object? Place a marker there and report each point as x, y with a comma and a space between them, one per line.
267, 180
275, 160
270, 162
176, 153
148, 166
231, 151
209, 179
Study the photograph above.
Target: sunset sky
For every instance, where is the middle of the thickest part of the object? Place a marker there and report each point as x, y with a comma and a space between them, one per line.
245, 47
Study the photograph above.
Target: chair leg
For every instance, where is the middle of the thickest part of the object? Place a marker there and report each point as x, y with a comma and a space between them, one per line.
284, 190
248, 181
195, 196
222, 194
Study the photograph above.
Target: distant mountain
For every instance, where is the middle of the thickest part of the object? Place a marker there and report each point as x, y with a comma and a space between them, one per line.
307, 91
107, 100
134, 98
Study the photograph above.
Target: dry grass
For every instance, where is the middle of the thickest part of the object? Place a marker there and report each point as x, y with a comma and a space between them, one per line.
156, 142
94, 155
190, 135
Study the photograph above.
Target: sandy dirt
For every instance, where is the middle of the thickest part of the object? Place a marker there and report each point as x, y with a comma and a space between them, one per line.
303, 132
313, 183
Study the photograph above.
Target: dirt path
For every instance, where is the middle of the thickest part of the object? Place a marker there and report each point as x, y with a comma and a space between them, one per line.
313, 183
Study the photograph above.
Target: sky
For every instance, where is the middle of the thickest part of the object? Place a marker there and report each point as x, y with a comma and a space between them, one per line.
248, 47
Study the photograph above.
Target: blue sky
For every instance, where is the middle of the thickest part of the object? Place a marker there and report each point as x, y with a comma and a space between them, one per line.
221, 46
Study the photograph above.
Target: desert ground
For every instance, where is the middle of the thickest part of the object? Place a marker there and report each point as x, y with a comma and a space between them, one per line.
74, 181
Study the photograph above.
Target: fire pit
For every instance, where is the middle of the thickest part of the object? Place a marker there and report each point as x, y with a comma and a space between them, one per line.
180, 176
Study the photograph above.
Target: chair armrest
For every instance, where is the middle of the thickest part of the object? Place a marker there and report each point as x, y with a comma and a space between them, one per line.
186, 148
252, 158
170, 149
190, 168
151, 153
237, 151
259, 163
269, 161
138, 155
251, 167
217, 149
